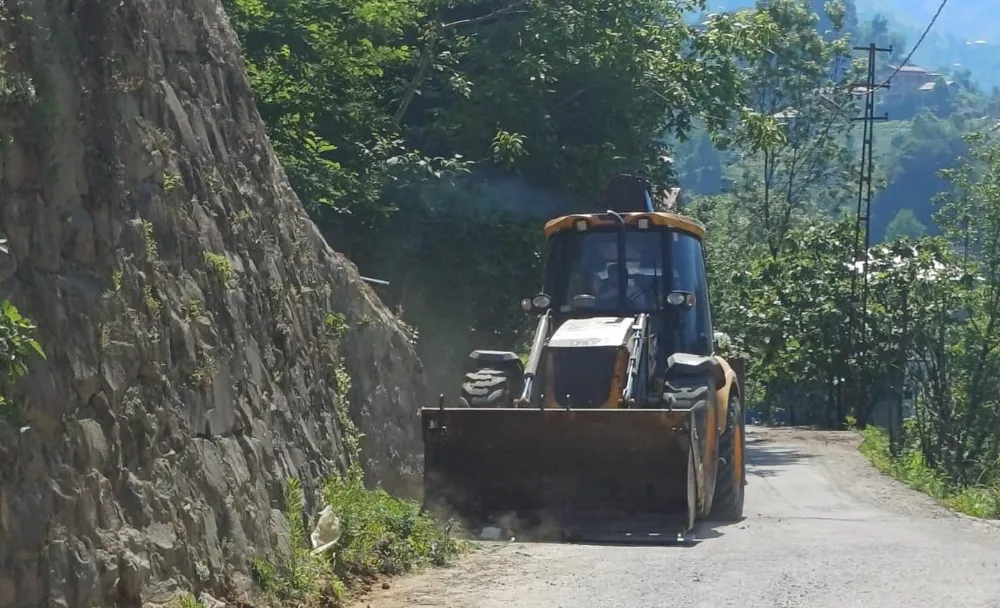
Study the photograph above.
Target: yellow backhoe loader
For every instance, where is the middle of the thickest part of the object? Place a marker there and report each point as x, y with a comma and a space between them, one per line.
623, 410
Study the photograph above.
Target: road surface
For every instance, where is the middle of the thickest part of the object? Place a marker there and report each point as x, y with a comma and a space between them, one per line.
822, 529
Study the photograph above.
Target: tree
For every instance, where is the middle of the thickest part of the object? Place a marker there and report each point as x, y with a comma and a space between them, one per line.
324, 73
800, 82
586, 87
970, 218
878, 30
905, 224
912, 168
700, 166
787, 311
835, 20
565, 94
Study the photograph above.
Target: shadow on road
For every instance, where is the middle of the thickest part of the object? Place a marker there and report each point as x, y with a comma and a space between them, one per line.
641, 535
606, 529
765, 459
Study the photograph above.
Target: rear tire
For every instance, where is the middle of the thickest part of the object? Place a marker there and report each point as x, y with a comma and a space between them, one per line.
727, 504
488, 387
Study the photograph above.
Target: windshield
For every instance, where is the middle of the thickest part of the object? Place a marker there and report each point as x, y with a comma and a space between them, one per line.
583, 279
588, 276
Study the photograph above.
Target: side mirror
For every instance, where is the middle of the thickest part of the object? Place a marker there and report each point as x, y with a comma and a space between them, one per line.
538, 304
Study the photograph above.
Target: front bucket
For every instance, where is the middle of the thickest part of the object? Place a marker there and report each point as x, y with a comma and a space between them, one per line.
565, 465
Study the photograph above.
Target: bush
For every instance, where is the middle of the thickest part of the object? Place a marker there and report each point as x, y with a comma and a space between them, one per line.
910, 468
17, 344
380, 535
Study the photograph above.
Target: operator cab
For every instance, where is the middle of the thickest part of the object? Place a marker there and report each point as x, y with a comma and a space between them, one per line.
648, 263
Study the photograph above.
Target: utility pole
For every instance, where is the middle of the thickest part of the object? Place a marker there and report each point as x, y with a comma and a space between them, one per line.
863, 214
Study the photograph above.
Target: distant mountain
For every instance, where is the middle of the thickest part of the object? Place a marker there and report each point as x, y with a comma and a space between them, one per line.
979, 20
966, 36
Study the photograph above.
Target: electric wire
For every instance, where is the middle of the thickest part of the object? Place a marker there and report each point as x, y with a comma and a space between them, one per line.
909, 55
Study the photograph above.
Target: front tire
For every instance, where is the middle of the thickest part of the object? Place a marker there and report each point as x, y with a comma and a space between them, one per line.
487, 387
727, 505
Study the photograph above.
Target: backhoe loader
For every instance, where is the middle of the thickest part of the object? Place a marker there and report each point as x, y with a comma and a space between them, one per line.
622, 411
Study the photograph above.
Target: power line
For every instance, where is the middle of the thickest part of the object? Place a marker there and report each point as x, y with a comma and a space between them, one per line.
915, 46
912, 50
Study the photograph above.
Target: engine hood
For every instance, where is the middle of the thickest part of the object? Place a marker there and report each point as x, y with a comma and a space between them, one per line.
592, 332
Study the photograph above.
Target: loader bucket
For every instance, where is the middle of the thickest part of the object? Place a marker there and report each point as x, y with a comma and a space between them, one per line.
561, 466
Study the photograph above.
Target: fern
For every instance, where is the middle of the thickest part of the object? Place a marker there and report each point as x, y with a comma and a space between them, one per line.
189, 601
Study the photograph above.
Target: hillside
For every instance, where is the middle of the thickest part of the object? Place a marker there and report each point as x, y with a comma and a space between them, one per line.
963, 20
964, 37
204, 344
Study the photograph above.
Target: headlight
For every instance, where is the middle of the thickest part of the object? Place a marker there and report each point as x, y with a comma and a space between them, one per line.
676, 298
541, 301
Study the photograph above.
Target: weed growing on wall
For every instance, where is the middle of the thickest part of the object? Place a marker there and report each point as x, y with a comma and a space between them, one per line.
17, 344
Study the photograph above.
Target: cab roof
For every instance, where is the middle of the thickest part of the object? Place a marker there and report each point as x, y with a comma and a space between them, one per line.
656, 218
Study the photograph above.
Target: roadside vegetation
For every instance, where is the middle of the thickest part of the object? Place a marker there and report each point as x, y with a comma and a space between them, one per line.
371, 537
916, 365
379, 535
911, 468
360, 532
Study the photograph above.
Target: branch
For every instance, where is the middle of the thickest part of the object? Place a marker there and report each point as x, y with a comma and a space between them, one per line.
584, 90
418, 77
428, 53
507, 10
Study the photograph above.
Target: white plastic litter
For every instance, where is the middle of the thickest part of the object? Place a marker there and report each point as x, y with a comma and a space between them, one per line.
327, 531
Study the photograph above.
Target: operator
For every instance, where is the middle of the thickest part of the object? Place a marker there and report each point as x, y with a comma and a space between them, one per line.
607, 291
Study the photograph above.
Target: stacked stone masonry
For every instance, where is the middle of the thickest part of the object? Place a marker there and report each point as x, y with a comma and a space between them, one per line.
183, 298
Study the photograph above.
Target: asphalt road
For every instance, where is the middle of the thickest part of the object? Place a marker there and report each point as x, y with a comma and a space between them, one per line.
822, 529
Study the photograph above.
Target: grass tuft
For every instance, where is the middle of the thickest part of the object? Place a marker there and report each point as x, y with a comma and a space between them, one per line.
911, 468
380, 535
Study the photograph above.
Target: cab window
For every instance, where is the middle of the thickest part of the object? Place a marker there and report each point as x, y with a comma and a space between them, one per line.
687, 263
590, 264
